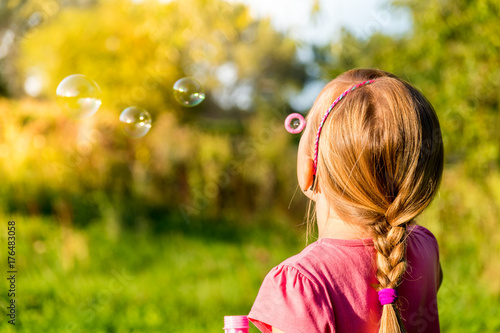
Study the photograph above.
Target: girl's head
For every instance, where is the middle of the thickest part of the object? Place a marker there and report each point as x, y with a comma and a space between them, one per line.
379, 164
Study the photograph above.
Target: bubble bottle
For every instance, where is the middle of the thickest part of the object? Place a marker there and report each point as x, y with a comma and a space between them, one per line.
236, 324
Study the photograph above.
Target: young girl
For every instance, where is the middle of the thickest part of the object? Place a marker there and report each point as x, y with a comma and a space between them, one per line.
371, 158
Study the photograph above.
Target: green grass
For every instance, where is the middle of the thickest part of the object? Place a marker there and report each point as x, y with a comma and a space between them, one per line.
186, 278
91, 280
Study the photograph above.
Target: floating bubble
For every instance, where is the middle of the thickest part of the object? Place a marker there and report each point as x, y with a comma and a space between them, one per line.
136, 122
295, 123
79, 96
188, 92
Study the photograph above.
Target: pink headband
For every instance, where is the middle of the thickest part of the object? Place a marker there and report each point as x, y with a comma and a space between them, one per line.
326, 116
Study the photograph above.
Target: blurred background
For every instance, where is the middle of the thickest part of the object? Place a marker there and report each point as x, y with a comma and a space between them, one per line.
171, 231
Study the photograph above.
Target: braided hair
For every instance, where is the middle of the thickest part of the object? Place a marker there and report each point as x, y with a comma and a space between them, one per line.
379, 164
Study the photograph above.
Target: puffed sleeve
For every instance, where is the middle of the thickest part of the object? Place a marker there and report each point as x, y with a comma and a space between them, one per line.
291, 302
425, 244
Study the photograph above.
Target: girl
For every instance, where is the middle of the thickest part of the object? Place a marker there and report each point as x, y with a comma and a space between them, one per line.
371, 159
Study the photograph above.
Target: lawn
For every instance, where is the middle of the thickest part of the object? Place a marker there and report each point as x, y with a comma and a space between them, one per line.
187, 277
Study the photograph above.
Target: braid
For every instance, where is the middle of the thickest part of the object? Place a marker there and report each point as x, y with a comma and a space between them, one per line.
390, 244
391, 247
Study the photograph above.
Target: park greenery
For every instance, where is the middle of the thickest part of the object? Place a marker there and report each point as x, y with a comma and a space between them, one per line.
172, 231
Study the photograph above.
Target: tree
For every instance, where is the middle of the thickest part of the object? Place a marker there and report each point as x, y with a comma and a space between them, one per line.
452, 55
136, 52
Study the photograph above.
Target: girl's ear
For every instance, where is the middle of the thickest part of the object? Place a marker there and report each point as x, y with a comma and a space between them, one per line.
305, 176
305, 165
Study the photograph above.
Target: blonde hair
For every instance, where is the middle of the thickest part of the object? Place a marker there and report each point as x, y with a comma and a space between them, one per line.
380, 162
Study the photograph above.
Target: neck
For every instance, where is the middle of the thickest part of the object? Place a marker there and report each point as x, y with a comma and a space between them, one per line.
330, 225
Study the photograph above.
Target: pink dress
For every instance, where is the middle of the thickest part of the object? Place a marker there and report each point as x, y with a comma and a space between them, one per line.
327, 288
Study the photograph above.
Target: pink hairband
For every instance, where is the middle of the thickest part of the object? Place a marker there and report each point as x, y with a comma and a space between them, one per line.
326, 116
387, 296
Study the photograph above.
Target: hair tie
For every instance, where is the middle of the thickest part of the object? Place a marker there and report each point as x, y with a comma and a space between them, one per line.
326, 116
387, 296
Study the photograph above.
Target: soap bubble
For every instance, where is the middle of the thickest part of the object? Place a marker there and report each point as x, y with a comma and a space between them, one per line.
295, 123
188, 92
136, 122
79, 96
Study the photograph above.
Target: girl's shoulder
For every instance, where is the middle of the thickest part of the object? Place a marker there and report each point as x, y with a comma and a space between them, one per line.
300, 264
420, 230
325, 256
419, 236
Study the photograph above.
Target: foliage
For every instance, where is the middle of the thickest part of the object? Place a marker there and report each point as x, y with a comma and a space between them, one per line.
464, 218
200, 205
451, 54
205, 162
75, 170
162, 43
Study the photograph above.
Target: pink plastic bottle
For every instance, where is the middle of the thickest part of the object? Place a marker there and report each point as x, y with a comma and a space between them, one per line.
235, 324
